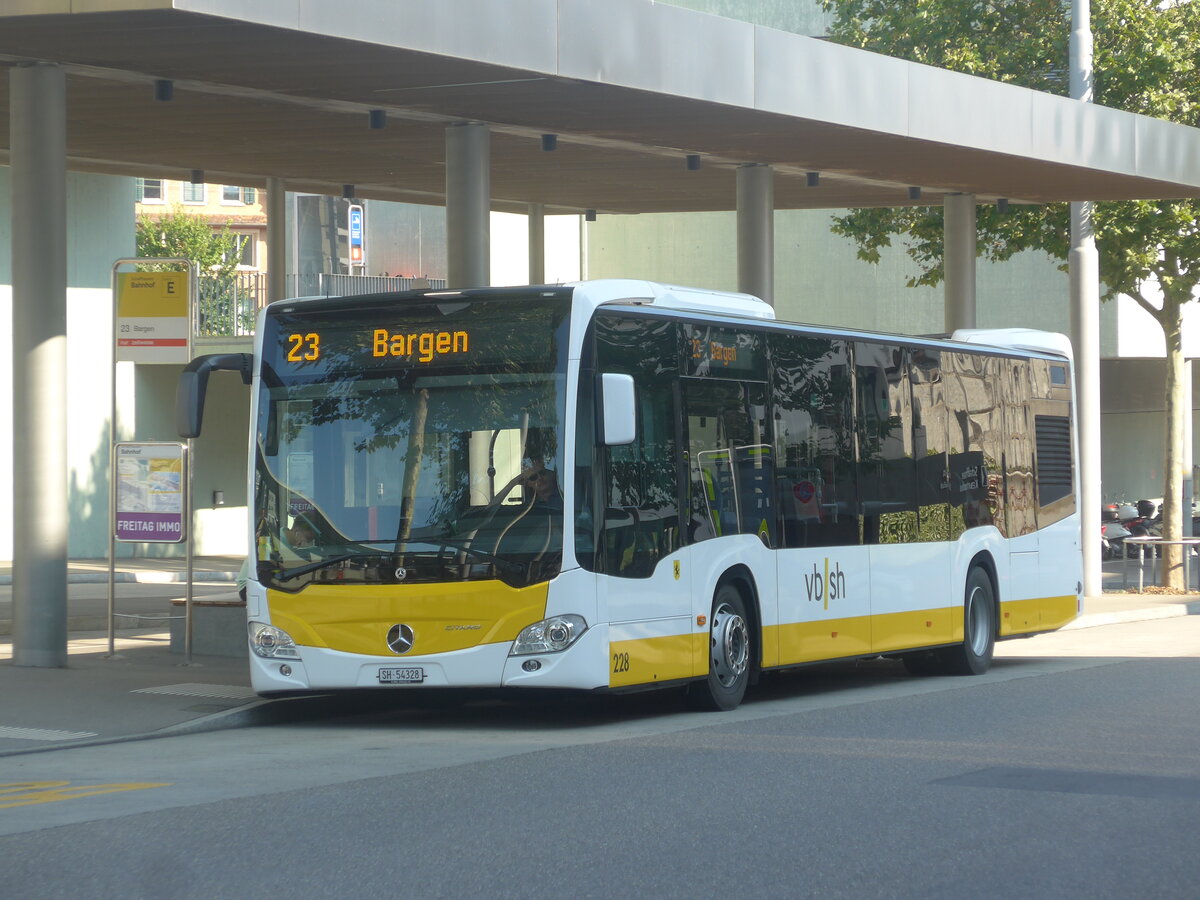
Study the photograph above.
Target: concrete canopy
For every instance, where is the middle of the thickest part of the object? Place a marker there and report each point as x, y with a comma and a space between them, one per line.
628, 86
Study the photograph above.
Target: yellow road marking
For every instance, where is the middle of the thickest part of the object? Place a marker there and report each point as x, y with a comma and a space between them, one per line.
28, 793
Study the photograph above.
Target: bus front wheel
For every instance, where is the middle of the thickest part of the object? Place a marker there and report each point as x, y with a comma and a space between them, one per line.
729, 656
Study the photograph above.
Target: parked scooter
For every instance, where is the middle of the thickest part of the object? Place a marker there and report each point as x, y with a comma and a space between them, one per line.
1151, 511
1112, 533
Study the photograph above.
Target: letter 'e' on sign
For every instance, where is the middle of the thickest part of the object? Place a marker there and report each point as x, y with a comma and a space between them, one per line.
153, 317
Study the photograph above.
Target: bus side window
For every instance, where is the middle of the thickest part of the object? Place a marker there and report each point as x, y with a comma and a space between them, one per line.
815, 475
887, 470
931, 424
731, 460
976, 490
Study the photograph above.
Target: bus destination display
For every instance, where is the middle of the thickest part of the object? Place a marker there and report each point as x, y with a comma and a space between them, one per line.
415, 346
332, 341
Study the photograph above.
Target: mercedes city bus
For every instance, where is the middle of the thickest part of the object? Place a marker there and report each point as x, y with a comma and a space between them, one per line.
618, 485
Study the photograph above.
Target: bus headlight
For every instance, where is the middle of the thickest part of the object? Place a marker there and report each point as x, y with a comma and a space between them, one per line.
549, 635
271, 642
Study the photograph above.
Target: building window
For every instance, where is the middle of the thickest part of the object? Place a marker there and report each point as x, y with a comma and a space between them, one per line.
148, 190
193, 193
245, 248
232, 194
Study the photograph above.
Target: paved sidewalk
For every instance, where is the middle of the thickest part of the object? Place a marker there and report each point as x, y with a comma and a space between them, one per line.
146, 690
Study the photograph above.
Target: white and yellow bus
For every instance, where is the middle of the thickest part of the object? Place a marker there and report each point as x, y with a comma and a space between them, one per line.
618, 485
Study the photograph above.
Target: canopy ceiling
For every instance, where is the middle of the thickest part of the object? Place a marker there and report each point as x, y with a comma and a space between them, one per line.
629, 87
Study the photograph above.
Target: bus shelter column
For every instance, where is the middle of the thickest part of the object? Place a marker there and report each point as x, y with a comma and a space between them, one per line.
537, 243
1084, 265
468, 205
1186, 456
276, 240
960, 240
756, 231
38, 123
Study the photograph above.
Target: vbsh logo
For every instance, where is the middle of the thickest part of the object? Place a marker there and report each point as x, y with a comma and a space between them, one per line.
823, 586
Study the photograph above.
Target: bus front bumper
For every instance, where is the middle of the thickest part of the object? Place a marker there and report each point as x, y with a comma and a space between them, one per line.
583, 665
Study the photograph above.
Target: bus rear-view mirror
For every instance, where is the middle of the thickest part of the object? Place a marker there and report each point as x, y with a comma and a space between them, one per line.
618, 409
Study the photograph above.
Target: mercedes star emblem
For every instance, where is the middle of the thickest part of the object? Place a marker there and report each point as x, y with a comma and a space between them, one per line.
400, 638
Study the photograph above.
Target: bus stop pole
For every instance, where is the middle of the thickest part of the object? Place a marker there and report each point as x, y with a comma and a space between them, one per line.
191, 528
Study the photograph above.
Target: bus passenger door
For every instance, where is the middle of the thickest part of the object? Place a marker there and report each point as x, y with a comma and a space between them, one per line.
731, 520
646, 596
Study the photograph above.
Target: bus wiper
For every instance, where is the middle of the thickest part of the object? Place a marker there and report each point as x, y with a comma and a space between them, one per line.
444, 541
481, 554
288, 574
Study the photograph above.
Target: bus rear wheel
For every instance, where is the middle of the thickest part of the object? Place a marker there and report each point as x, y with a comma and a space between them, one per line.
729, 654
974, 655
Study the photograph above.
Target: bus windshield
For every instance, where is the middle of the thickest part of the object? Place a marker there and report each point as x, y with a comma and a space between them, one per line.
411, 441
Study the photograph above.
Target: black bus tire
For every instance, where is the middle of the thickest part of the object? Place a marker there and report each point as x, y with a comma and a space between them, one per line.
974, 655
729, 654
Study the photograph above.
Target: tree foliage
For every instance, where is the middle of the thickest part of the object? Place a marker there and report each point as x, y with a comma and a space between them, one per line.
223, 309
183, 234
1145, 62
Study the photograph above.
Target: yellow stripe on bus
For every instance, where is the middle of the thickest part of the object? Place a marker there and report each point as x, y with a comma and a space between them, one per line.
1038, 614
825, 639
920, 628
656, 659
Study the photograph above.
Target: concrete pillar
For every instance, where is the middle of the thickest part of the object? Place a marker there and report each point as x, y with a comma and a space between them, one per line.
37, 124
756, 231
1189, 468
276, 240
537, 243
1084, 267
468, 205
961, 235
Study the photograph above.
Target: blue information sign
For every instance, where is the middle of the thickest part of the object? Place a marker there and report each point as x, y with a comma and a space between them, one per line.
356, 235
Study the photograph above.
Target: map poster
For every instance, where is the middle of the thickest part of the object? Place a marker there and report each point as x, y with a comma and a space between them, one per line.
150, 493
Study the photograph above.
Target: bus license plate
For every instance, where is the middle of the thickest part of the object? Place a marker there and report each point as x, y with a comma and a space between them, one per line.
407, 675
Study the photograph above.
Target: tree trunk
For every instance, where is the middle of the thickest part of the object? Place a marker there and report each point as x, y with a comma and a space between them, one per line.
1172, 512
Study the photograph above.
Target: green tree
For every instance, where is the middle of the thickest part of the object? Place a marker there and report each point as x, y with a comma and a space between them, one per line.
1145, 62
183, 234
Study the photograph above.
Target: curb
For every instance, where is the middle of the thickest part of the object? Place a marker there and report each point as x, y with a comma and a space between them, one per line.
257, 712
1144, 614
238, 717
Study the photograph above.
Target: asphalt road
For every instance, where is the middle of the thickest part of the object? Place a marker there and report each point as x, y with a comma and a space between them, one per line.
1070, 770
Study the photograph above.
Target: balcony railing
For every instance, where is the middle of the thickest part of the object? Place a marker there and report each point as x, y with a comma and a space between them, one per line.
228, 306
